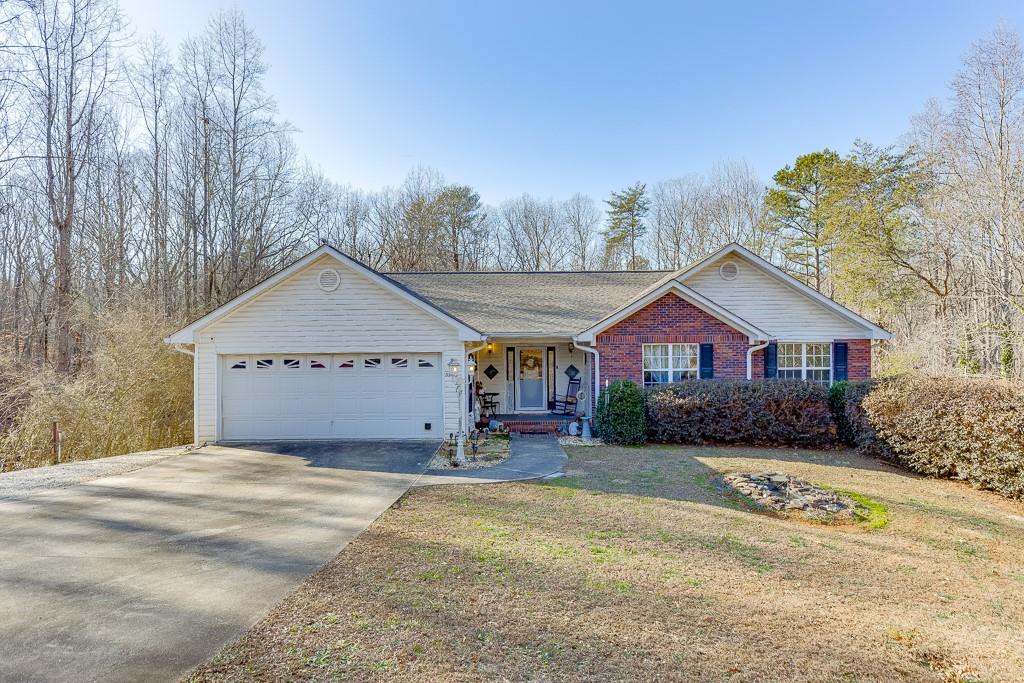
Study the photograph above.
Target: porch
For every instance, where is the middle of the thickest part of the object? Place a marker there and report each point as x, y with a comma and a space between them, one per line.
523, 381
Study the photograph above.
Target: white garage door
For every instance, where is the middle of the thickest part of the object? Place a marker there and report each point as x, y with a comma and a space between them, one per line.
354, 396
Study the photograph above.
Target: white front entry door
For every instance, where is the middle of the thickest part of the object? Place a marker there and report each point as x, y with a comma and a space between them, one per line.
340, 396
530, 372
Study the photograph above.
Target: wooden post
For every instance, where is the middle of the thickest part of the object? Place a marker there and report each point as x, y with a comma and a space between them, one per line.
55, 440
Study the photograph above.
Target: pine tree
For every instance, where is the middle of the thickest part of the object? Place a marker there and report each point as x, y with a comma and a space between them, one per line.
626, 212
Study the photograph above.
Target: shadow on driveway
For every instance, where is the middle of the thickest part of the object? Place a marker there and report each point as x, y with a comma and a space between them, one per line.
144, 575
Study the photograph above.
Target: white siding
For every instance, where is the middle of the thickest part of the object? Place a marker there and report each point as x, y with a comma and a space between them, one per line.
768, 303
296, 316
206, 375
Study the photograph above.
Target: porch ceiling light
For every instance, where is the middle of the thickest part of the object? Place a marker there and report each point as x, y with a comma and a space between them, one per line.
572, 347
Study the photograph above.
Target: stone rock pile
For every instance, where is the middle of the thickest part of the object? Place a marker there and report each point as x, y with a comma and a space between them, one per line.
785, 493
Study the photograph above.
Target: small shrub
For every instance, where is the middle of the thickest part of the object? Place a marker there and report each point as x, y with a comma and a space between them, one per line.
968, 428
837, 404
621, 416
848, 408
778, 413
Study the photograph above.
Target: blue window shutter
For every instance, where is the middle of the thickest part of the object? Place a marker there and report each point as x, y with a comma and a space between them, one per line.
839, 364
707, 361
771, 361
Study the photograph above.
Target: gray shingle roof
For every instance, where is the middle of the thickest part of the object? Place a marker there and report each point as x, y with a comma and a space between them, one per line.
559, 303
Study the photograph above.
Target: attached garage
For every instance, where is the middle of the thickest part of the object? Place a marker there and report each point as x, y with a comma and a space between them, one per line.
327, 349
331, 396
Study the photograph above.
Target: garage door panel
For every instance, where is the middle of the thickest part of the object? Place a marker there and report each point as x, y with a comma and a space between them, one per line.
368, 395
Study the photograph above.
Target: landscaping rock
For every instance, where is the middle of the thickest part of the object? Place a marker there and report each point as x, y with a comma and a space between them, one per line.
785, 493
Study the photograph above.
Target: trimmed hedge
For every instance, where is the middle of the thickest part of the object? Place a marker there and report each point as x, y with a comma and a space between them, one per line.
776, 413
966, 428
620, 414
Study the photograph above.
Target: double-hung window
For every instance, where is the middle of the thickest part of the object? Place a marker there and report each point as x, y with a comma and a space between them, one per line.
810, 361
666, 363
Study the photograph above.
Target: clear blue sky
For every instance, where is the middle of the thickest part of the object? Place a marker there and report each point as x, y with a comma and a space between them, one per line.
553, 98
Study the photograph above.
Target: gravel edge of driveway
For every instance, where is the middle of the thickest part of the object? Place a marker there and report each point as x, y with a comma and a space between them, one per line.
21, 484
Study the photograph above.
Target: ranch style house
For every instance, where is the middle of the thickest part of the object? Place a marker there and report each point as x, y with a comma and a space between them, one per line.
329, 348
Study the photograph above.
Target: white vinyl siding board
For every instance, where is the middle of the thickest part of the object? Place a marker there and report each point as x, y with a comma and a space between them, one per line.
206, 415
296, 316
770, 304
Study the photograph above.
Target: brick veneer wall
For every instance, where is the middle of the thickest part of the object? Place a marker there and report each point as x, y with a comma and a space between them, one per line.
670, 319
858, 358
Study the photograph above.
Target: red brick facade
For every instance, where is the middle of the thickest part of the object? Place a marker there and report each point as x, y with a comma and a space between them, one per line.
858, 360
672, 319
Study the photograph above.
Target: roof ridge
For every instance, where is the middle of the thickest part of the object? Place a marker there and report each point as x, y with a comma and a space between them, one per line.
519, 272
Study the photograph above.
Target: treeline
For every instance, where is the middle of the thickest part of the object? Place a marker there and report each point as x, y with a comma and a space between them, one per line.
137, 172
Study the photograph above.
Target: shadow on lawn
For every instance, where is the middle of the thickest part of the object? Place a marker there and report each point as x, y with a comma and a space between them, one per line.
693, 473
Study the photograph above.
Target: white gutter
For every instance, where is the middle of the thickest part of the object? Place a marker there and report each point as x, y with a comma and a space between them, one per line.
597, 368
179, 349
750, 358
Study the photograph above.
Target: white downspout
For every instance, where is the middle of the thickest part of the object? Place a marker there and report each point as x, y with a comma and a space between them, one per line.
750, 358
179, 349
597, 368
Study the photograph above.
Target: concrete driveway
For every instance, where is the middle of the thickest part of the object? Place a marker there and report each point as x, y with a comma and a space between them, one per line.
144, 575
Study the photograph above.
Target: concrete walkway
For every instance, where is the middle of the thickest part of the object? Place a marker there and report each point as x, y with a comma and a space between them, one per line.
531, 456
144, 575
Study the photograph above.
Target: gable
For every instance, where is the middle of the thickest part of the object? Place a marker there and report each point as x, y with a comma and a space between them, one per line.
673, 318
358, 284
770, 303
296, 315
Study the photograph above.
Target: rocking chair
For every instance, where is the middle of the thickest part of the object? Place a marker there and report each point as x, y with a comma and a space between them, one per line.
566, 405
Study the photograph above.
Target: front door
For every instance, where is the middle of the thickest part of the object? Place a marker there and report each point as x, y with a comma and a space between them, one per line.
532, 393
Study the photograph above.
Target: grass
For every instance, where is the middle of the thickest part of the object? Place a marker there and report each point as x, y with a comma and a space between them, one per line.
639, 566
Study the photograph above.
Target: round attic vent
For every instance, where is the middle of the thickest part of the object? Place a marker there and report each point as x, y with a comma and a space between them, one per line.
729, 270
328, 280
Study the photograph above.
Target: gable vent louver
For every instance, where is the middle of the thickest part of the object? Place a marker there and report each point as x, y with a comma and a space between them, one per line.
729, 271
328, 279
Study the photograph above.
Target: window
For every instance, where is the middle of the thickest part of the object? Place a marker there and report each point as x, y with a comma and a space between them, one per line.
811, 362
399, 362
665, 363
346, 363
292, 363
371, 362
424, 363
264, 363
239, 365
317, 365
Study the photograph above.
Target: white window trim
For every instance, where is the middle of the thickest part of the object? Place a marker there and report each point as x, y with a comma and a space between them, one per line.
803, 360
671, 368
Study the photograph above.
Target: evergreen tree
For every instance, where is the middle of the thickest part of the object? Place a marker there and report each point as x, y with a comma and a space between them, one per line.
799, 208
626, 212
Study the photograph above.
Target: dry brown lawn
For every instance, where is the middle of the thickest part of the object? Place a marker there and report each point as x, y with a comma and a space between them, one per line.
639, 567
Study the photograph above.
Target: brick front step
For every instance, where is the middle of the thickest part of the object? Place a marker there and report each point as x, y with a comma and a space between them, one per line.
533, 426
